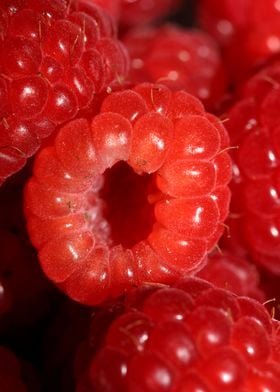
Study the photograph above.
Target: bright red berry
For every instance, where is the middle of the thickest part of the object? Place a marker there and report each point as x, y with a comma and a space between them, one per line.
233, 273
54, 59
178, 58
248, 30
113, 7
137, 195
189, 337
254, 127
140, 12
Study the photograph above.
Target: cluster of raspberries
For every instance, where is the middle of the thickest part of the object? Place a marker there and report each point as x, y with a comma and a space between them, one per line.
139, 195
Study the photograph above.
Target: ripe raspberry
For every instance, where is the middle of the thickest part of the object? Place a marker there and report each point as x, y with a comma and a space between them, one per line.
254, 127
248, 30
223, 19
189, 337
233, 273
140, 12
54, 58
112, 7
178, 58
153, 216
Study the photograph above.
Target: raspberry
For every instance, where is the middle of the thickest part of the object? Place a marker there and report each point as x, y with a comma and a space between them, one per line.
112, 7
233, 273
151, 217
248, 29
189, 337
54, 59
139, 12
253, 126
223, 19
178, 58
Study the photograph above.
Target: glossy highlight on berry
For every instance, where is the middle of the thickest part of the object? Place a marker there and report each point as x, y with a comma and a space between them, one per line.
133, 195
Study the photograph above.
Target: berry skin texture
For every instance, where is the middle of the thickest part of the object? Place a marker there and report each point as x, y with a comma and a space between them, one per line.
181, 59
247, 29
233, 273
139, 194
189, 337
254, 126
54, 60
141, 12
138, 12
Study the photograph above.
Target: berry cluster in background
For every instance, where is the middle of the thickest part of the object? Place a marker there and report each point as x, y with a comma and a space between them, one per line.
139, 195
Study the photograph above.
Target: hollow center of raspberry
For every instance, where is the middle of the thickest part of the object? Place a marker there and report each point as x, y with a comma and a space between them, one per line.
127, 209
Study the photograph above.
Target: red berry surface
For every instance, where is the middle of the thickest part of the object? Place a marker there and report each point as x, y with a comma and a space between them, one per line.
55, 57
112, 7
223, 19
248, 30
189, 337
254, 128
233, 273
140, 12
138, 194
179, 58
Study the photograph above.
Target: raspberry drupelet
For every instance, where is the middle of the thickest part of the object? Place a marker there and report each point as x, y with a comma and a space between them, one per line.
247, 30
179, 58
138, 194
55, 57
138, 12
141, 12
254, 127
237, 274
186, 338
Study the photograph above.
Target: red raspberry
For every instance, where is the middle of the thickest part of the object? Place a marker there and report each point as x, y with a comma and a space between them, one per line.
223, 19
54, 59
100, 232
178, 58
112, 7
233, 273
189, 337
248, 29
254, 127
139, 12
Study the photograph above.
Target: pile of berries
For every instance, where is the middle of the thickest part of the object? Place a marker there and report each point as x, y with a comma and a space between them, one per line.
139, 195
